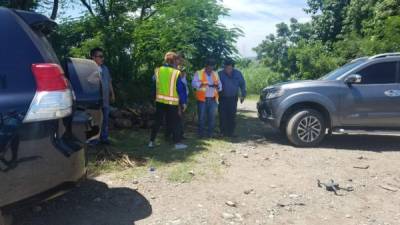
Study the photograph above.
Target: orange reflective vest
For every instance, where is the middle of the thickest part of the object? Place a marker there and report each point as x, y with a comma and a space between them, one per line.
201, 92
166, 79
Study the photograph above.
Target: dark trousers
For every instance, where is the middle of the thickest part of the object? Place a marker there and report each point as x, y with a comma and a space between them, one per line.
181, 127
227, 115
104, 126
169, 114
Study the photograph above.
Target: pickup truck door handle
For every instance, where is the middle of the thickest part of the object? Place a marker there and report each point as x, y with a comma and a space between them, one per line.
392, 93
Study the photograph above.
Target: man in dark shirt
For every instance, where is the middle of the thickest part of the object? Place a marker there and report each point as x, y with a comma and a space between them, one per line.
232, 80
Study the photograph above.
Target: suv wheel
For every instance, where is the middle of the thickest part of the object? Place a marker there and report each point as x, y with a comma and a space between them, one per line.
306, 128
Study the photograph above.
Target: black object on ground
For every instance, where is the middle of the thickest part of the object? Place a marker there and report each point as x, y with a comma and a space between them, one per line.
333, 187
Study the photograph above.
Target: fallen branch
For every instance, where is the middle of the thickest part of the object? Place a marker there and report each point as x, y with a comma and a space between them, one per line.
388, 188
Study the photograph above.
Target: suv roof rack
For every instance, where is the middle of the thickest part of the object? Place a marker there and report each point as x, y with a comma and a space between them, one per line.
385, 55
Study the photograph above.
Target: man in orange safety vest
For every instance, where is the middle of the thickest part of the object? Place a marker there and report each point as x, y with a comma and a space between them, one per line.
207, 85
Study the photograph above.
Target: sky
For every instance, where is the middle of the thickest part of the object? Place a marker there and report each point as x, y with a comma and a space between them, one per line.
257, 19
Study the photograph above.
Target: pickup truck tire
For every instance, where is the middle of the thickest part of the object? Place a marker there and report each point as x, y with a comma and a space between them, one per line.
5, 219
306, 128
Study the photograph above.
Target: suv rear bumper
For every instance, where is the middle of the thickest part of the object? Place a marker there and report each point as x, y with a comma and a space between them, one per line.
46, 158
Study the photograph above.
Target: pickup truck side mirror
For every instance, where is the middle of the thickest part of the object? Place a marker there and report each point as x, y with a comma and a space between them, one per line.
353, 79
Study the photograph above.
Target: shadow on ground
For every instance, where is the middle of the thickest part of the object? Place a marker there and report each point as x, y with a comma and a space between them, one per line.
93, 203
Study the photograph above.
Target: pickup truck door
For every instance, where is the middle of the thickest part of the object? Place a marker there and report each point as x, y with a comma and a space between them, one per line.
375, 102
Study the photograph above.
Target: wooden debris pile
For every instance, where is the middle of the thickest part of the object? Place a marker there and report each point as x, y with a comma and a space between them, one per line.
135, 116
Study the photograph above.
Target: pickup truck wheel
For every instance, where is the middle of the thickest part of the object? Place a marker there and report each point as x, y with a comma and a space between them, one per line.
5, 219
306, 128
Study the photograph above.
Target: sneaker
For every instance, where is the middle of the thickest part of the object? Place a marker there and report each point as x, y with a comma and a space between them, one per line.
151, 144
180, 146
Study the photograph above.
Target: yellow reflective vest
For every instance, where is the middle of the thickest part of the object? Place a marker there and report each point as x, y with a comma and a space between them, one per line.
166, 79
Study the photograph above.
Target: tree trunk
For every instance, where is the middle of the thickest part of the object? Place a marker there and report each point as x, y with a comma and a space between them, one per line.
55, 10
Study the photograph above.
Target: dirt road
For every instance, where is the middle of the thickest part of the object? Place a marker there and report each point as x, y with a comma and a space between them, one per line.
260, 179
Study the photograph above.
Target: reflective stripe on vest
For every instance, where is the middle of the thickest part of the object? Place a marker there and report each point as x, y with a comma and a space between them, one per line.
166, 79
202, 91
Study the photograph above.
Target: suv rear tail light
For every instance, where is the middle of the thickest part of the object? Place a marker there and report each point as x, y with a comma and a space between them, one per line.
53, 98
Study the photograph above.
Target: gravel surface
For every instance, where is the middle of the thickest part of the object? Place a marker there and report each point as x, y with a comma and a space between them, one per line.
264, 180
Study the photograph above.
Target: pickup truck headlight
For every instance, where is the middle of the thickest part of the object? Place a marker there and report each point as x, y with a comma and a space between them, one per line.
274, 93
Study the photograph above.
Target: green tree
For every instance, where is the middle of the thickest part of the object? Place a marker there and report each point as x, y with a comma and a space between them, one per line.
136, 34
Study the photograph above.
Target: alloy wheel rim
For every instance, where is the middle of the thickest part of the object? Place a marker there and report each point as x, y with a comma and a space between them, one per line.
309, 129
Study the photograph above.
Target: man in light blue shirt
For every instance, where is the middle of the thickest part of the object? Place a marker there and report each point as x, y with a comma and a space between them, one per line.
207, 85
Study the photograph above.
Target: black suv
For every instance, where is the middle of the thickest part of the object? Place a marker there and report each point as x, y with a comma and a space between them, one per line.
363, 95
44, 121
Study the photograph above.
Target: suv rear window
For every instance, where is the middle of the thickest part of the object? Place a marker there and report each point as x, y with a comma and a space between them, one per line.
380, 73
45, 47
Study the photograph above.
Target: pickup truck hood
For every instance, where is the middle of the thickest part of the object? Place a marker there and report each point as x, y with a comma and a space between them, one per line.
301, 84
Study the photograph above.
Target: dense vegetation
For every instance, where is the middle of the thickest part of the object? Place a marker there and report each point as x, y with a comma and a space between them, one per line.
340, 30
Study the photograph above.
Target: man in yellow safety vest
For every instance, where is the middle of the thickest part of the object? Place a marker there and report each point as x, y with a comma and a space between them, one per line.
207, 85
170, 93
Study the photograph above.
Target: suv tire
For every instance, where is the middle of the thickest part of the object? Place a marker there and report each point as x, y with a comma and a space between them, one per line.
306, 128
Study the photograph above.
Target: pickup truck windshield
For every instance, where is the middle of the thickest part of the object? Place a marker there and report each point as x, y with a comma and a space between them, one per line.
341, 70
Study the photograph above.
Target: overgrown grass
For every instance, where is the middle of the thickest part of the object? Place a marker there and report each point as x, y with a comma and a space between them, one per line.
258, 77
173, 164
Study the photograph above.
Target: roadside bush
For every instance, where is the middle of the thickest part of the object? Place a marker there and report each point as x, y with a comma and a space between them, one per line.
258, 77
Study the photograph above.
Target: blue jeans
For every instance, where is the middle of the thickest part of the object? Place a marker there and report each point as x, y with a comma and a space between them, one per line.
206, 114
104, 126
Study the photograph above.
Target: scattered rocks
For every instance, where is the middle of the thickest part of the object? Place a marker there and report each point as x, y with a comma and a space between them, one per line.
135, 182
238, 217
231, 204
246, 155
191, 173
293, 196
361, 167
227, 216
233, 151
249, 191
176, 222
273, 186
348, 216
153, 197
